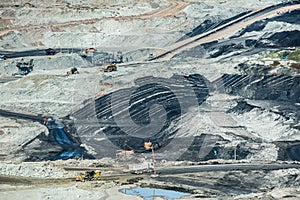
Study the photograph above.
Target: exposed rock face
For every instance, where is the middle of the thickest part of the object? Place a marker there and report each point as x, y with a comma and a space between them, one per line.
232, 100
148, 110
272, 87
124, 114
278, 32
186, 106
258, 113
284, 39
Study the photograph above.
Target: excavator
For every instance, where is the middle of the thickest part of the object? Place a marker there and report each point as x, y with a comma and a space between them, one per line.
24, 67
88, 176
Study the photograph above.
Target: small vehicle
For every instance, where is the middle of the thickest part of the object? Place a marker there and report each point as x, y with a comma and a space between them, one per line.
87, 52
24, 67
110, 68
88, 176
73, 70
50, 51
90, 50
119, 57
2, 57
146, 167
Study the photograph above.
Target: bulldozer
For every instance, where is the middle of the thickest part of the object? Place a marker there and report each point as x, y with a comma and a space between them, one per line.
109, 68
88, 176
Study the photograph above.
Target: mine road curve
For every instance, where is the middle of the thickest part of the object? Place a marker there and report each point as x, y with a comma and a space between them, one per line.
225, 30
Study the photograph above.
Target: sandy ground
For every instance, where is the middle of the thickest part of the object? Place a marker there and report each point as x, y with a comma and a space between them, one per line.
63, 193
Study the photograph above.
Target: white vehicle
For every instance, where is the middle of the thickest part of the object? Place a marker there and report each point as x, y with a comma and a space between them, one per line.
146, 167
2, 57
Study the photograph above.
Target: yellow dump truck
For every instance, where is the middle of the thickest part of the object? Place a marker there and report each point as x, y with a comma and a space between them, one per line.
109, 68
88, 176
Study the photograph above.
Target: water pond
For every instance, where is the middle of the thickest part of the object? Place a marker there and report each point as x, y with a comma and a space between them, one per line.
149, 193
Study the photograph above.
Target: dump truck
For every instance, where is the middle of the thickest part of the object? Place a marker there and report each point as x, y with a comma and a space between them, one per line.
3, 57
88, 176
109, 68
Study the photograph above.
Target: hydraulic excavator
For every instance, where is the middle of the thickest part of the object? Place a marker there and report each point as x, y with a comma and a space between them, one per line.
24, 67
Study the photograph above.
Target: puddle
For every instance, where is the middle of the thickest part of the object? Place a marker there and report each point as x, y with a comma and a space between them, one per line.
149, 193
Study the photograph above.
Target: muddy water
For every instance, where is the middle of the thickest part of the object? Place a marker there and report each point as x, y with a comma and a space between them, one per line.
150, 193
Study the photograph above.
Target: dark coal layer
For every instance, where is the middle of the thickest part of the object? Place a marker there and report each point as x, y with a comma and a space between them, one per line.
174, 95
